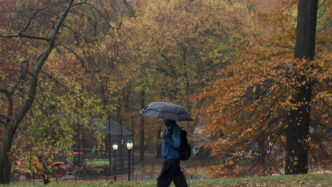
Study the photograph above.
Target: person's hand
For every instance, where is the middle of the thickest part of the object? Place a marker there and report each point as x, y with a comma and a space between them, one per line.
162, 135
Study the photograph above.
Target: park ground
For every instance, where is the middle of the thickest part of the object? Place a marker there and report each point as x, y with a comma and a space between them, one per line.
312, 180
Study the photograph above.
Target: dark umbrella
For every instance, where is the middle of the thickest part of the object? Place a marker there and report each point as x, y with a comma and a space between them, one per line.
166, 111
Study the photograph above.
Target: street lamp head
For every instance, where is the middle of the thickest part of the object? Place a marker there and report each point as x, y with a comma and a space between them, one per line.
129, 145
115, 147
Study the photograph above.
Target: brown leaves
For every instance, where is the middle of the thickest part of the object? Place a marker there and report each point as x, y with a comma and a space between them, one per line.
256, 91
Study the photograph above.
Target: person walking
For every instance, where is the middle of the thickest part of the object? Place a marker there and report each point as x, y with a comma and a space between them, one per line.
171, 170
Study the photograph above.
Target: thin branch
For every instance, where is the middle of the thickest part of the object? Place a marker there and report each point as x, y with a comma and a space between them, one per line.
27, 72
23, 35
21, 77
100, 13
93, 7
76, 34
41, 58
321, 4
74, 53
52, 78
29, 22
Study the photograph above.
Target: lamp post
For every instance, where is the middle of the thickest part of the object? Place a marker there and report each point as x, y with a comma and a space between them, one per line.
109, 147
129, 145
115, 148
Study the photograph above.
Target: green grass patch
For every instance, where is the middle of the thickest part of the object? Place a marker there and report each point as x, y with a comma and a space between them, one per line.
98, 161
322, 180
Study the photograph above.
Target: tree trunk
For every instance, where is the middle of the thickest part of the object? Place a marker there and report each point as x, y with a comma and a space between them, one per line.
306, 29
297, 133
142, 128
5, 165
126, 96
299, 118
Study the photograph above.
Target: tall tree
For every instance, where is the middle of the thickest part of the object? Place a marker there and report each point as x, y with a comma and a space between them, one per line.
36, 36
254, 100
299, 117
13, 121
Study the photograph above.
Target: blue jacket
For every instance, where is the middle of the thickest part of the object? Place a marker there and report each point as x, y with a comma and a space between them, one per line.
171, 142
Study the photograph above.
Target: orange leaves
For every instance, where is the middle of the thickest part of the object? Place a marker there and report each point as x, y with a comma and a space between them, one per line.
255, 91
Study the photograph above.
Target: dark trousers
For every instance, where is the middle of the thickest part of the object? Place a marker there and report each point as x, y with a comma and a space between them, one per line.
171, 171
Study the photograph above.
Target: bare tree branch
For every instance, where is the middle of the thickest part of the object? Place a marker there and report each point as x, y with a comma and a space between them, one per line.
107, 21
20, 78
74, 53
29, 22
41, 58
93, 7
76, 34
49, 76
23, 35
23, 71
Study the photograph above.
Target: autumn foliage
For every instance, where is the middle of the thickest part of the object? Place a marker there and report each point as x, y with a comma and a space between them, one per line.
252, 97
230, 63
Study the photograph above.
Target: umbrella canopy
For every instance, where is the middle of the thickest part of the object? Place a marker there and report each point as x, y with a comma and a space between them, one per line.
166, 111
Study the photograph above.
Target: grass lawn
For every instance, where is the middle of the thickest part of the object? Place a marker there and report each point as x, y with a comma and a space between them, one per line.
289, 181
98, 161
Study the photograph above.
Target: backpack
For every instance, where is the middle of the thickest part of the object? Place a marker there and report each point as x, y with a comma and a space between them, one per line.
185, 149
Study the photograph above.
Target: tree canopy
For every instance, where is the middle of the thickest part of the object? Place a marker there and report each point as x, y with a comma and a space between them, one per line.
232, 64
